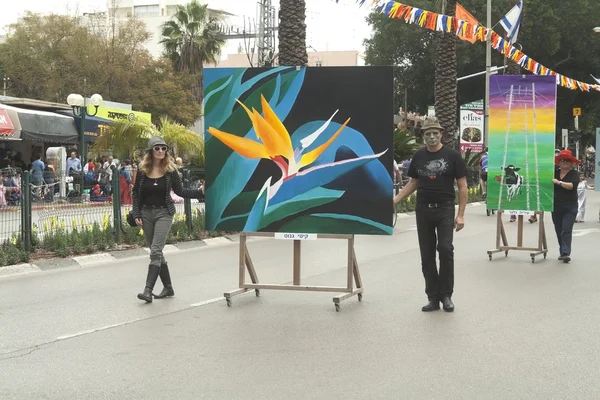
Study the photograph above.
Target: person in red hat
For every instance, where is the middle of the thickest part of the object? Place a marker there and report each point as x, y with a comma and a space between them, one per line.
565, 182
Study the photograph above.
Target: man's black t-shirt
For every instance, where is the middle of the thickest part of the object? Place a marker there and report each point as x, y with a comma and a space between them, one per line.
562, 195
436, 172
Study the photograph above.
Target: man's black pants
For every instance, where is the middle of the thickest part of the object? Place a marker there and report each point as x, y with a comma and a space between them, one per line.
435, 228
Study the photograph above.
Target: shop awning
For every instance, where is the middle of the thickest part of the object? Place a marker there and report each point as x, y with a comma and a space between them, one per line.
43, 126
6, 126
93, 125
11, 130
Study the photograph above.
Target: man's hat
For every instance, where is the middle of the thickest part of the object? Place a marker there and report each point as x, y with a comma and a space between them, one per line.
431, 123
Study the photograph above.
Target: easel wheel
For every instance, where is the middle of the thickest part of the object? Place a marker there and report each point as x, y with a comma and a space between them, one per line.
532, 260
257, 292
337, 307
228, 300
360, 297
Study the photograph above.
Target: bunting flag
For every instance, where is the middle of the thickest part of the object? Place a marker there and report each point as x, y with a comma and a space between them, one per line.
469, 31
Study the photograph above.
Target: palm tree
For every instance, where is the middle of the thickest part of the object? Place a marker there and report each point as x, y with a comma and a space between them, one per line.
292, 33
445, 78
191, 39
123, 138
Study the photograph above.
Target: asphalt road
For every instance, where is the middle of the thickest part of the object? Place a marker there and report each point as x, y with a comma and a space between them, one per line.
520, 330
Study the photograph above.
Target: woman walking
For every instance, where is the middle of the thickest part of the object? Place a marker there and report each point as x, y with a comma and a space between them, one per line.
565, 182
153, 210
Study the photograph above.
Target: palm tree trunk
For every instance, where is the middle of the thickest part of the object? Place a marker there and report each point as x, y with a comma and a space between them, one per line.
292, 33
445, 79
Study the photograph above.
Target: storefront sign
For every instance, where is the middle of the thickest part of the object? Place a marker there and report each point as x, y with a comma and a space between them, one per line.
120, 114
6, 126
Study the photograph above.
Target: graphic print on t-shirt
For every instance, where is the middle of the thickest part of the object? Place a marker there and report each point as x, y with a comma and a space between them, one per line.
434, 168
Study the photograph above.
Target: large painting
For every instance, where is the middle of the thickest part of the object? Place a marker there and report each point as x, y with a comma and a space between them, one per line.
302, 150
521, 143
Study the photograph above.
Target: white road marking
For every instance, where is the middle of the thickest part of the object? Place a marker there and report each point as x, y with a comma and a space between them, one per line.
86, 332
583, 232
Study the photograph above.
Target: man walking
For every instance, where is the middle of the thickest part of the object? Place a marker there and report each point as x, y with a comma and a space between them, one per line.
432, 173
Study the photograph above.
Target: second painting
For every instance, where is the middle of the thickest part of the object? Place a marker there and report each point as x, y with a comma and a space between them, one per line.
521, 143
305, 150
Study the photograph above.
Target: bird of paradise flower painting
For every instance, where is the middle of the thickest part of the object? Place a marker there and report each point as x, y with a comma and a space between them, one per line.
306, 150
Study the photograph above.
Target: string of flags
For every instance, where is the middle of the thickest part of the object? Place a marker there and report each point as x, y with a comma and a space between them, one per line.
473, 31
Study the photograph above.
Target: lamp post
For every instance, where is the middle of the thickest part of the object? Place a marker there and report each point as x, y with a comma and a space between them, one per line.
78, 103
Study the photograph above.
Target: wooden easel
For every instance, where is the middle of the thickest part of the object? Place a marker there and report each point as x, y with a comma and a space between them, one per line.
541, 249
246, 264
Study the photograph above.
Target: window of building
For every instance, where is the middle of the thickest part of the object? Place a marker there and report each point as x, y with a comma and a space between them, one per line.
146, 11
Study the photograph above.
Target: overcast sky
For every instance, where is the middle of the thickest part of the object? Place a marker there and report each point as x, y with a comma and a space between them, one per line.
331, 26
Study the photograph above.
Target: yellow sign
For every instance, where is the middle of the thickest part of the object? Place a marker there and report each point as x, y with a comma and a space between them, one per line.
118, 113
576, 112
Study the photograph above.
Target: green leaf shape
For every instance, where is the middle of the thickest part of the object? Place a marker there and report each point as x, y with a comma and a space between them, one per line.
258, 210
336, 223
215, 91
241, 204
305, 201
234, 223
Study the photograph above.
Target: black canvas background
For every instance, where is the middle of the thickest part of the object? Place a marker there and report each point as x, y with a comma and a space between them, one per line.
364, 94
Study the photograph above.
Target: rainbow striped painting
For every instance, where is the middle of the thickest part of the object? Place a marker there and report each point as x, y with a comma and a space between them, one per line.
521, 143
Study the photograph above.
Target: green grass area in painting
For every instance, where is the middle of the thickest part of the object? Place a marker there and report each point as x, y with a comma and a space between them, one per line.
521, 156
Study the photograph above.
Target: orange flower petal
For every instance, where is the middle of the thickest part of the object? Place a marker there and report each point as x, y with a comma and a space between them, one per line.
311, 156
273, 120
274, 143
245, 147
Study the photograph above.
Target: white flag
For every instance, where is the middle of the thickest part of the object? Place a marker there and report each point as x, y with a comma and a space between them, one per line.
511, 22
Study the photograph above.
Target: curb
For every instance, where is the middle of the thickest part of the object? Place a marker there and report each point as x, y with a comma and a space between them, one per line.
122, 255
102, 258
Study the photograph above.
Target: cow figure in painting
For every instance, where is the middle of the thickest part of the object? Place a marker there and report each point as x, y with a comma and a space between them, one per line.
513, 181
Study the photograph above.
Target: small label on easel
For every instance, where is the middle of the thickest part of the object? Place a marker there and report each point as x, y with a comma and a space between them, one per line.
296, 236
519, 212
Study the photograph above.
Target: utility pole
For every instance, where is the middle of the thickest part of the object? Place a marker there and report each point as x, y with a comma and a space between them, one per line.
488, 70
6, 80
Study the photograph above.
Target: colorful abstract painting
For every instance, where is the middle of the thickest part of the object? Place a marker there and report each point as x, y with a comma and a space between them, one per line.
302, 150
521, 143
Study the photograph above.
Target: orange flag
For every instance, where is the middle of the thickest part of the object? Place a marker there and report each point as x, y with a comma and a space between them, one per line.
463, 14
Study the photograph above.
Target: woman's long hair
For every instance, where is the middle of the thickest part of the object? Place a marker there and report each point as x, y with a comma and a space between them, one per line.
167, 164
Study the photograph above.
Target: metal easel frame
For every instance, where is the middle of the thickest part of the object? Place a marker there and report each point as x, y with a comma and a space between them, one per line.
246, 264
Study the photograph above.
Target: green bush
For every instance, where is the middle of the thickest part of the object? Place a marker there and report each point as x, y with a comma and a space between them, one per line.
12, 252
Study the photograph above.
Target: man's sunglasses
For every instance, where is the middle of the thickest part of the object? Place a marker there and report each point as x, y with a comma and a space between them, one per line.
159, 148
565, 160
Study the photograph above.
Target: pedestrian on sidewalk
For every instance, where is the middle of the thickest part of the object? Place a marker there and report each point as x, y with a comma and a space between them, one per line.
582, 188
565, 182
432, 172
153, 209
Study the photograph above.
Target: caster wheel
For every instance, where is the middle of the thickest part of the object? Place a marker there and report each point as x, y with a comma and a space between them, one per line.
337, 307
487, 212
490, 257
532, 260
544, 256
506, 254
257, 292
360, 297
228, 302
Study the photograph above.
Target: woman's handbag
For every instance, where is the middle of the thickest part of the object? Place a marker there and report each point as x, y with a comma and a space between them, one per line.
131, 219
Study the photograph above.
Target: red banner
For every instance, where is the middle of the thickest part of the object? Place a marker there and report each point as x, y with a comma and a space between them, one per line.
6, 126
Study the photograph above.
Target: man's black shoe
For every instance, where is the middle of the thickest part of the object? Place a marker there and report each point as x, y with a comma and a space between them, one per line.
431, 306
448, 304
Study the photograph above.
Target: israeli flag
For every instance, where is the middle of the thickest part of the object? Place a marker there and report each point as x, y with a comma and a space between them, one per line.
511, 22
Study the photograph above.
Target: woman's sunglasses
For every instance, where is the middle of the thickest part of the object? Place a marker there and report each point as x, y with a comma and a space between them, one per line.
565, 160
160, 148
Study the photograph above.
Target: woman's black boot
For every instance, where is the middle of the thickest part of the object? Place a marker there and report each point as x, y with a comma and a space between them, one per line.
165, 277
153, 272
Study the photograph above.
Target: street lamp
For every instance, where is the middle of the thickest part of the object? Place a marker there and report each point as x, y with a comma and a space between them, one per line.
78, 103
